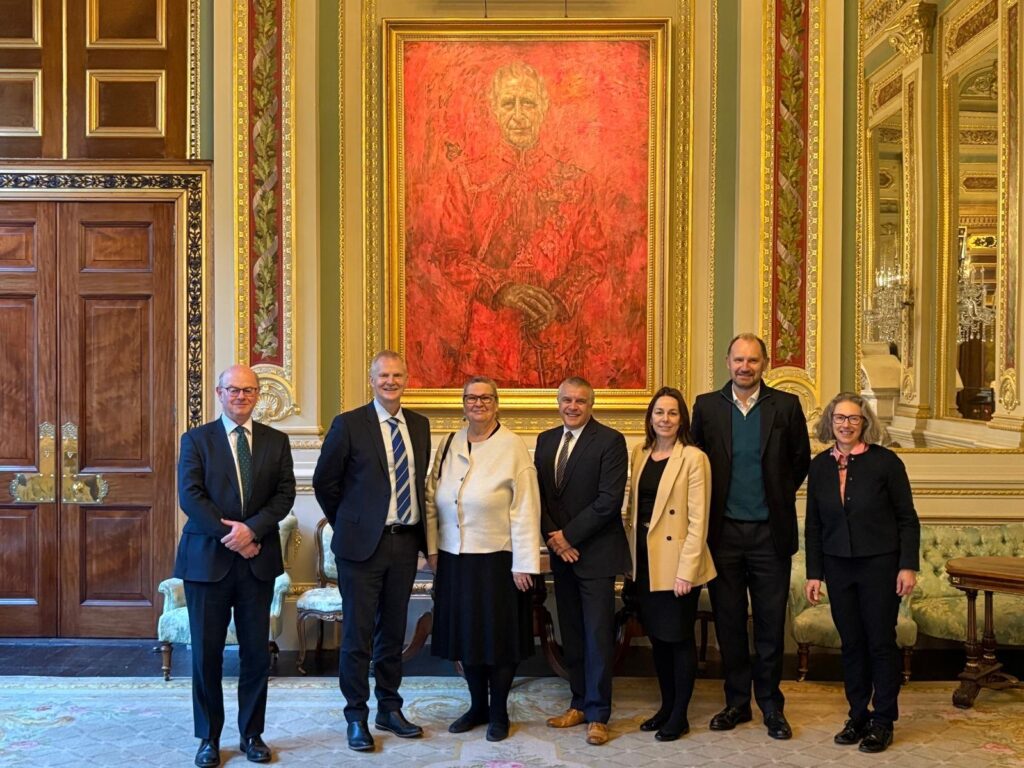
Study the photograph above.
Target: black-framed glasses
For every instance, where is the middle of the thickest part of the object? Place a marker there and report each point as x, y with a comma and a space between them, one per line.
853, 419
474, 399
236, 391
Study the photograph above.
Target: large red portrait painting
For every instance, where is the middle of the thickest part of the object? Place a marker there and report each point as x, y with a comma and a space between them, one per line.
525, 170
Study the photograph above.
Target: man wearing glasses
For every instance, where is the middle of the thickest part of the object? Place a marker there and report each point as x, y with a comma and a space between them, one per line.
369, 482
755, 437
235, 484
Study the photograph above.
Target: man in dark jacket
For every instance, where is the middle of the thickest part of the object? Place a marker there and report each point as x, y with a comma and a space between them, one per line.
235, 484
756, 439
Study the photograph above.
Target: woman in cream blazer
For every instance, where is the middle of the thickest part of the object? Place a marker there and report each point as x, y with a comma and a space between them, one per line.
667, 530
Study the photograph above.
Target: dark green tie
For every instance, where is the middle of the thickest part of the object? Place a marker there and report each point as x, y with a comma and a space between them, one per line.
244, 464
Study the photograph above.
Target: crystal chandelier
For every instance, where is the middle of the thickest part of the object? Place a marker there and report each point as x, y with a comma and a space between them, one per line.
975, 320
888, 300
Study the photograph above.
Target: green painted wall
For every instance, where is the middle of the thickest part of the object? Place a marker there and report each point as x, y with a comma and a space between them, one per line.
206, 79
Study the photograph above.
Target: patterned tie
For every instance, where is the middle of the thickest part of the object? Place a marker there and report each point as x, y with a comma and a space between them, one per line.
563, 458
402, 489
244, 464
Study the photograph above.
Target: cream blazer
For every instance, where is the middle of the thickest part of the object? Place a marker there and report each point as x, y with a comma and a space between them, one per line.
677, 541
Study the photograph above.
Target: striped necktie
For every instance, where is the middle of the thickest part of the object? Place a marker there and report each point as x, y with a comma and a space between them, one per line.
563, 459
244, 454
403, 503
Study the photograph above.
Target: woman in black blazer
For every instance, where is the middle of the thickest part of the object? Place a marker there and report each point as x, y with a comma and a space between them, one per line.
862, 538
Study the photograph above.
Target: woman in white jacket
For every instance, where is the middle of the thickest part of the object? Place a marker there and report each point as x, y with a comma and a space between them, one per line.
667, 530
483, 543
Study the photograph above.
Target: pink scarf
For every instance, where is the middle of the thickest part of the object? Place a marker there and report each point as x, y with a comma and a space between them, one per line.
842, 459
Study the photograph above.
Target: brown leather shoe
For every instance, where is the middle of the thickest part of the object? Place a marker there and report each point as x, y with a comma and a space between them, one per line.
568, 720
597, 734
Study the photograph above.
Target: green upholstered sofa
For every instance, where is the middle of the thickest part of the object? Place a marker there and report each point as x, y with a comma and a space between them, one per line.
813, 626
173, 627
939, 608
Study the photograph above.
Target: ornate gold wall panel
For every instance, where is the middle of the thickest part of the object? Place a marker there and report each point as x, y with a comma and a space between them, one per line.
1007, 339
790, 192
264, 187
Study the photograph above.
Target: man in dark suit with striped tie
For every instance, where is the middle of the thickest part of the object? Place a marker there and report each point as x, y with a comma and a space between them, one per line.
369, 482
235, 484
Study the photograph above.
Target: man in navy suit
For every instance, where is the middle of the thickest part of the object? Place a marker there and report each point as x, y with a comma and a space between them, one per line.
582, 468
235, 484
755, 437
369, 482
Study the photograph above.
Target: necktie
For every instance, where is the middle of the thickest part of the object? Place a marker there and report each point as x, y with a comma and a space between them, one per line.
403, 501
563, 458
244, 464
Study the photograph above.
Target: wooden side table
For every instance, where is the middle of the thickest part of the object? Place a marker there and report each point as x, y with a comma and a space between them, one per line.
988, 574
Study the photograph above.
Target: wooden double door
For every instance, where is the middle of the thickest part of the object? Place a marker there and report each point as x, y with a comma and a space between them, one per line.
87, 423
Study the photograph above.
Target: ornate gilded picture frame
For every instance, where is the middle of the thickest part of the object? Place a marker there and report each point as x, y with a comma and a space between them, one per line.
524, 206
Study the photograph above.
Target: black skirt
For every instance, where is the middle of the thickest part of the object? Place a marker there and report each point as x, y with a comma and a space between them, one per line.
665, 617
479, 615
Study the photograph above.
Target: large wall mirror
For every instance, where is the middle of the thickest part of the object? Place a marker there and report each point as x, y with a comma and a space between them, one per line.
938, 216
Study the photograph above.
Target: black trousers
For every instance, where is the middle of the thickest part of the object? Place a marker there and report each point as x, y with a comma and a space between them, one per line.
746, 561
375, 600
210, 605
864, 603
586, 620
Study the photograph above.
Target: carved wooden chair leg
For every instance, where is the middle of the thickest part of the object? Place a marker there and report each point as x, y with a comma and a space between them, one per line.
274, 653
424, 625
908, 654
166, 649
300, 630
803, 652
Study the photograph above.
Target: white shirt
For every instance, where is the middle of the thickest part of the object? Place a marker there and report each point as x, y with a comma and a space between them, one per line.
385, 431
572, 445
230, 427
745, 408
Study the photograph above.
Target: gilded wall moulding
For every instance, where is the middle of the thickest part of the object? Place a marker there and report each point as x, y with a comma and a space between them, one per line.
886, 91
1009, 203
790, 236
914, 32
964, 27
194, 149
264, 75
1008, 390
876, 16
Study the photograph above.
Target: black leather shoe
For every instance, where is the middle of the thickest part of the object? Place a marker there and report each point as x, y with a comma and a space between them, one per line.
497, 731
672, 732
208, 755
397, 724
255, 749
852, 732
359, 737
467, 722
877, 737
654, 723
778, 727
729, 718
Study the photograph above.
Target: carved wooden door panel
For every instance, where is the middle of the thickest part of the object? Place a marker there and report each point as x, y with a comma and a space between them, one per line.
87, 429
116, 406
28, 418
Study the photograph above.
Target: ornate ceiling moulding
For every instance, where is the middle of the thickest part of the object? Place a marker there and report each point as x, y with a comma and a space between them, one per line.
913, 34
967, 25
264, 75
876, 16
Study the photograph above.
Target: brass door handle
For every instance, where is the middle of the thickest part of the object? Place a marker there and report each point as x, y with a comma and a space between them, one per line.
39, 487
77, 488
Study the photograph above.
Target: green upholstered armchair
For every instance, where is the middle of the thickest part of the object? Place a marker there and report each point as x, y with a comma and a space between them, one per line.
813, 625
173, 624
939, 608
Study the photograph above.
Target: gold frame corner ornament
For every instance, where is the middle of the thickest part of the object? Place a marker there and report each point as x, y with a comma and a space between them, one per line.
913, 34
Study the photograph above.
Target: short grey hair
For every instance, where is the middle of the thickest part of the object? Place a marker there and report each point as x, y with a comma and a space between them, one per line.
578, 381
481, 380
384, 354
872, 434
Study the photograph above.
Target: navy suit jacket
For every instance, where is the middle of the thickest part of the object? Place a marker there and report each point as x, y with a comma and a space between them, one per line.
351, 480
208, 491
785, 457
588, 507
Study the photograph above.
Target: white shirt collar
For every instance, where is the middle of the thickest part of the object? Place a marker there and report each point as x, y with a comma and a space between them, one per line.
750, 402
383, 415
575, 432
229, 425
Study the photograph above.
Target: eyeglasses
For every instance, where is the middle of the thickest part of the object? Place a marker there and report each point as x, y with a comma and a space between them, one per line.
482, 399
236, 391
841, 418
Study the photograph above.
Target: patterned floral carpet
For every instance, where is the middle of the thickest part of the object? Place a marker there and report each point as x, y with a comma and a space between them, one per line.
146, 722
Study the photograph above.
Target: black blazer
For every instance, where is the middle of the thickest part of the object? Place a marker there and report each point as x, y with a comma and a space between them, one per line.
208, 491
785, 456
351, 480
588, 508
878, 516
